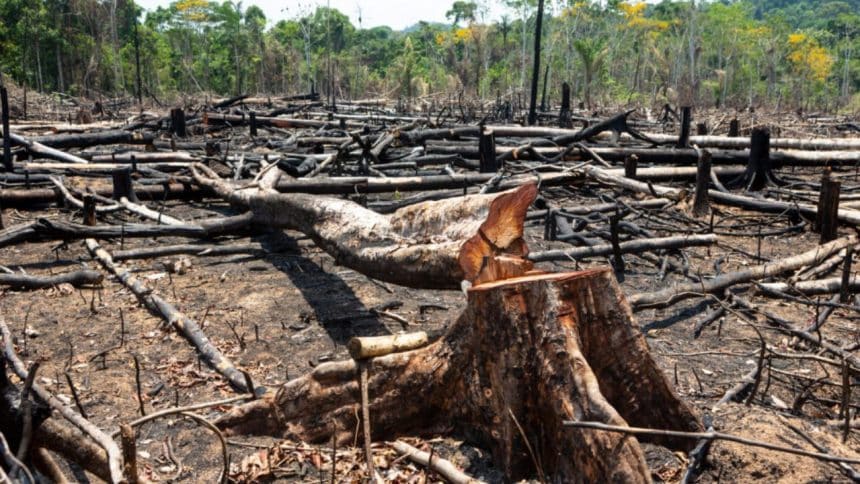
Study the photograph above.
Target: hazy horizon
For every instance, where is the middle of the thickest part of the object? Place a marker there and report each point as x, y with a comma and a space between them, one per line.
396, 14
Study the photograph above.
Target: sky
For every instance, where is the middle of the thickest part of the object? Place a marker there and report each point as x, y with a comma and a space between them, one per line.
397, 14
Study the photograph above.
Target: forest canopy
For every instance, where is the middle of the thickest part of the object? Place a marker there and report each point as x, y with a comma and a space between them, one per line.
733, 53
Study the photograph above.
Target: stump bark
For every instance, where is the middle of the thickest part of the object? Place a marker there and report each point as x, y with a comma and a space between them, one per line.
541, 348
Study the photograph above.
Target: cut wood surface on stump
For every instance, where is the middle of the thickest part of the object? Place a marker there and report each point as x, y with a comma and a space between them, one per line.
541, 347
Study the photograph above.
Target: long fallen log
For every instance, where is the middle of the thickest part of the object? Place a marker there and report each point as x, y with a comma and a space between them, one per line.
34, 196
812, 144
44, 229
672, 295
677, 156
357, 184
416, 246
217, 118
628, 247
46, 151
815, 287
186, 326
848, 216
85, 140
75, 278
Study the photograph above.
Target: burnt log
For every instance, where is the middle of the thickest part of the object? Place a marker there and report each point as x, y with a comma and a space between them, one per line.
75, 278
85, 140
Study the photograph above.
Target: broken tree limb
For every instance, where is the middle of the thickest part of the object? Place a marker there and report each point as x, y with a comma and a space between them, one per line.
39, 149
439, 465
416, 246
44, 229
114, 456
667, 297
628, 247
590, 349
185, 325
75, 278
817, 287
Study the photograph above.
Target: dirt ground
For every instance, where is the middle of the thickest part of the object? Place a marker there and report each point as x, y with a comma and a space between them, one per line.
279, 314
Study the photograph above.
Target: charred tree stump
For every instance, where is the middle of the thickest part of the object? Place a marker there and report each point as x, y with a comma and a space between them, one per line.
177, 122
630, 165
89, 209
252, 126
487, 151
826, 221
701, 201
686, 118
759, 169
734, 128
701, 129
7, 142
122, 187
530, 350
564, 119
571, 351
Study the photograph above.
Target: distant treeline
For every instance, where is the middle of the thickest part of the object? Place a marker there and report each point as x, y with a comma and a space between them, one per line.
724, 53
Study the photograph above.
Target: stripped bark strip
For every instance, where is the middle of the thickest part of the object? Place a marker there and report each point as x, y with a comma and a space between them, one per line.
185, 325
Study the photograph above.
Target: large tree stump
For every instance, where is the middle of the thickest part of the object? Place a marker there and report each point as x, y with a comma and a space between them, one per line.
531, 348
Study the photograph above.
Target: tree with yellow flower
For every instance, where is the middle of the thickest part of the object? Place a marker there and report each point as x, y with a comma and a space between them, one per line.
810, 62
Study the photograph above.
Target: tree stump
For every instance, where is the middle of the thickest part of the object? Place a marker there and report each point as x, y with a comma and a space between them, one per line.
531, 349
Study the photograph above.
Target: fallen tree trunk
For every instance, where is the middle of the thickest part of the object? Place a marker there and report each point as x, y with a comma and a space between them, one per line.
726, 142
39, 149
416, 246
676, 156
233, 120
358, 184
815, 287
571, 352
170, 191
75, 278
85, 140
44, 229
628, 247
